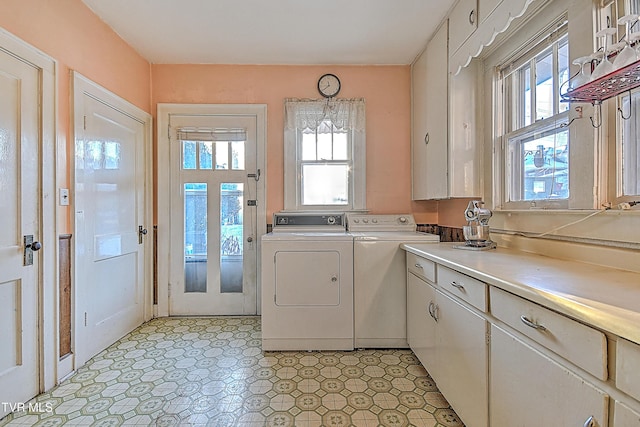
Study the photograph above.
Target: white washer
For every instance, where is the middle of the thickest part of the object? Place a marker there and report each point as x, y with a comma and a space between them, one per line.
380, 277
307, 283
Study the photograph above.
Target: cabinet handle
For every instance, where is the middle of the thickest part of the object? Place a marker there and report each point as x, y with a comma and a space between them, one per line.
426, 138
531, 324
419, 266
472, 17
591, 422
433, 308
457, 286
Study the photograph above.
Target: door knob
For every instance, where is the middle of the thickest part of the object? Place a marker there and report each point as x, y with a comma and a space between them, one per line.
30, 246
141, 232
35, 246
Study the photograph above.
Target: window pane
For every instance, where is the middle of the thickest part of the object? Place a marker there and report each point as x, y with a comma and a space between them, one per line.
630, 145
231, 237
188, 154
340, 146
222, 155
325, 149
195, 237
237, 155
544, 86
309, 146
526, 99
563, 71
544, 166
206, 155
325, 184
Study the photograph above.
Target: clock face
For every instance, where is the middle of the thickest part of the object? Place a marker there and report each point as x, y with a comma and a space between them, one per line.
329, 85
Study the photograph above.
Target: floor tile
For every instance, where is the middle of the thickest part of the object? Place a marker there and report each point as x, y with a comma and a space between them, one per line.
212, 372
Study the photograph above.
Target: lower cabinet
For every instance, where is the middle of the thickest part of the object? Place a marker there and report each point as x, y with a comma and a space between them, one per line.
450, 341
462, 353
529, 389
421, 328
623, 416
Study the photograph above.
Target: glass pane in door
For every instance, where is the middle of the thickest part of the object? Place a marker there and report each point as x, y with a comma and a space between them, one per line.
195, 237
231, 237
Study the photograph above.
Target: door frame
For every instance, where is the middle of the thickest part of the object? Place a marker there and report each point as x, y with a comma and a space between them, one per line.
81, 86
47, 286
164, 199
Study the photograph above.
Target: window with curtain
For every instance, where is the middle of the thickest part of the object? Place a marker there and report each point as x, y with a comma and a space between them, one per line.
325, 154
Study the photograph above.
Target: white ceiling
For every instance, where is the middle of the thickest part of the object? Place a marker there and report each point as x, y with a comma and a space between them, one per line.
308, 32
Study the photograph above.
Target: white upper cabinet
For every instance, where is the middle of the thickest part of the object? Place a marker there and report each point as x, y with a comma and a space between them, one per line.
486, 8
429, 139
463, 21
465, 139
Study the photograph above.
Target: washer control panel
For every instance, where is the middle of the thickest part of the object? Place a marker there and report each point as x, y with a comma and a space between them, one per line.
396, 222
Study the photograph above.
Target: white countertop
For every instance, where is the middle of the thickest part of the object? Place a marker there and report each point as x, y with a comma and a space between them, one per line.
606, 298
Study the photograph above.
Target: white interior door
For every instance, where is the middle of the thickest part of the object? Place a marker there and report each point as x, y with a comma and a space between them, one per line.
20, 213
111, 241
213, 214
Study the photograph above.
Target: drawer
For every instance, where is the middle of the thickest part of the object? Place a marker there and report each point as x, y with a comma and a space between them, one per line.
625, 416
628, 367
578, 343
464, 287
421, 267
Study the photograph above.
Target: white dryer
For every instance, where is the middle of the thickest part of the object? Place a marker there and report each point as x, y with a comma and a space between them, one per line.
380, 277
307, 283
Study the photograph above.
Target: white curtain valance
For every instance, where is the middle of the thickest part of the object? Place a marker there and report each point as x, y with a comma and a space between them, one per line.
345, 114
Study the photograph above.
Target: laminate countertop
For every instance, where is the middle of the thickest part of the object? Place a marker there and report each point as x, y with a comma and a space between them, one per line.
603, 297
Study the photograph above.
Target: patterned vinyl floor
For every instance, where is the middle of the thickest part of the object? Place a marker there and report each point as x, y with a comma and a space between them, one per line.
212, 372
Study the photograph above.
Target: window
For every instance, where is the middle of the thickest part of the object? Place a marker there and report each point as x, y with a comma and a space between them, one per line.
536, 136
324, 155
626, 161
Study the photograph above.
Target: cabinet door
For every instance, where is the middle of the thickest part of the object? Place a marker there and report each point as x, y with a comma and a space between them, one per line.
485, 8
430, 120
529, 389
462, 360
465, 141
623, 416
463, 21
420, 325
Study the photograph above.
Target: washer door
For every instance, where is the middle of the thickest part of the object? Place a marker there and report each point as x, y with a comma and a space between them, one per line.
307, 278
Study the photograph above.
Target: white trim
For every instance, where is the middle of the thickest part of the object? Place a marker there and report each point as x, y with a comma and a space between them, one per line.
48, 345
164, 208
80, 86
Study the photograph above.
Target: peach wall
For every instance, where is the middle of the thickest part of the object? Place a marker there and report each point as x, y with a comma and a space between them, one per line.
388, 99
77, 39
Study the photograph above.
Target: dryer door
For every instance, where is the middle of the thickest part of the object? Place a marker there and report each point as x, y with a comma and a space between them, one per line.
307, 278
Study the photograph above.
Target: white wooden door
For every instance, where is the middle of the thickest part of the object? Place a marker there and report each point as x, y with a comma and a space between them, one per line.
110, 215
213, 255
20, 213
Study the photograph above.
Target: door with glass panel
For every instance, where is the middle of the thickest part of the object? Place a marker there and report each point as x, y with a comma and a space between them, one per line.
213, 268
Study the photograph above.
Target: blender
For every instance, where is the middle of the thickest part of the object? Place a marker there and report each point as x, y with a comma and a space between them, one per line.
476, 232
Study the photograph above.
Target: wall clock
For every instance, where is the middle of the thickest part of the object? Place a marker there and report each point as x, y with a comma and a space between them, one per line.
329, 85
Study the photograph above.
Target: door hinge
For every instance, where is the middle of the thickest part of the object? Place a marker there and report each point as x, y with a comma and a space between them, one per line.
84, 122
488, 337
85, 318
169, 291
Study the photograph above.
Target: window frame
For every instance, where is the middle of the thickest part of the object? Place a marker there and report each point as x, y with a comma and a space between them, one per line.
534, 32
293, 172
